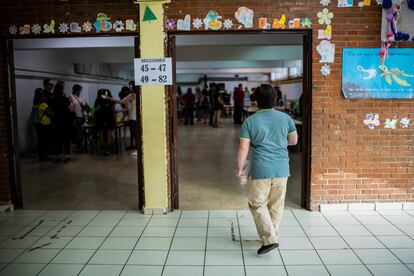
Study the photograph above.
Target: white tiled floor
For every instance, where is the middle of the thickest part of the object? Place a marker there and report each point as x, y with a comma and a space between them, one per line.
201, 243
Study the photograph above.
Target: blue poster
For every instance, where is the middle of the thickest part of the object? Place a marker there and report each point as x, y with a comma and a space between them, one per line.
363, 76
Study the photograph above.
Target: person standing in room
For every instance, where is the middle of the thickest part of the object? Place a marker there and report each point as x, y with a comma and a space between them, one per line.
63, 119
48, 90
80, 110
204, 106
218, 105
246, 100
280, 103
198, 97
238, 97
268, 133
42, 123
131, 104
105, 119
211, 90
189, 101
180, 104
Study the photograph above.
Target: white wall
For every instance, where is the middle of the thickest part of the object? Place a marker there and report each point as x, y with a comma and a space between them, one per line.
292, 91
59, 62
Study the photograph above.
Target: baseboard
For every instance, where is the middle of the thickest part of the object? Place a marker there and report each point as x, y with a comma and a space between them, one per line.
379, 206
155, 211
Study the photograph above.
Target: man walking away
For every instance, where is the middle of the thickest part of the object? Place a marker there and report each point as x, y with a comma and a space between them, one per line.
269, 132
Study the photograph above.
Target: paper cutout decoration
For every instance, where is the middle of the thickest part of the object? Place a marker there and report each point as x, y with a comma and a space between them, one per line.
391, 123
325, 34
394, 74
118, 26
245, 17
170, 24
130, 25
325, 2
149, 15
197, 23
49, 28
379, 2
13, 30
327, 51
25, 29
306, 23
345, 3
280, 23
372, 120
212, 21
325, 17
294, 23
63, 28
36, 29
75, 28
366, 3
405, 122
87, 26
228, 24
326, 70
184, 25
263, 23
102, 23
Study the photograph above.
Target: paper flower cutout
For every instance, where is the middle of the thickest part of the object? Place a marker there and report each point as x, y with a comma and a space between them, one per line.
326, 70
36, 29
325, 17
63, 28
13, 30
87, 26
391, 123
372, 120
130, 25
170, 24
228, 24
118, 26
405, 122
306, 23
197, 23
325, 2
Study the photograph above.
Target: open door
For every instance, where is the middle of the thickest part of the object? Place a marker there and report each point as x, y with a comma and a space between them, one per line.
172, 126
306, 120
140, 164
14, 163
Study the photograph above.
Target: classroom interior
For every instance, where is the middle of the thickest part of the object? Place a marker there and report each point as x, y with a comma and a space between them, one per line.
205, 156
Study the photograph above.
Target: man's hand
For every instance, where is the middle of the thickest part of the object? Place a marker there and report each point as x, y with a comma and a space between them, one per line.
239, 172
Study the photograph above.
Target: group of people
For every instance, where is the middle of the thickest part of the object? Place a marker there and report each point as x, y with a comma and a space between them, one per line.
207, 104
58, 119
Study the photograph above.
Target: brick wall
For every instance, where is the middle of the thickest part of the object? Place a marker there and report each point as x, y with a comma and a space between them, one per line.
349, 162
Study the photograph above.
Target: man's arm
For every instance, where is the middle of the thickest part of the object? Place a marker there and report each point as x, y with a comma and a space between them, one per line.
244, 147
292, 138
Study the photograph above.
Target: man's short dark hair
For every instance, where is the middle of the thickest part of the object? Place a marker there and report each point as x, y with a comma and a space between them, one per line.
265, 96
76, 88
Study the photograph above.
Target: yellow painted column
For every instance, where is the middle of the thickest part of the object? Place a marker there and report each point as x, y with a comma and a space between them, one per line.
153, 116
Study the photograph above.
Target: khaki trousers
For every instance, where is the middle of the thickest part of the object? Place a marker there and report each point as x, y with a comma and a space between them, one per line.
266, 202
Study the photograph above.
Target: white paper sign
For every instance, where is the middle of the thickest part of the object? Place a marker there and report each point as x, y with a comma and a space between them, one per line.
153, 71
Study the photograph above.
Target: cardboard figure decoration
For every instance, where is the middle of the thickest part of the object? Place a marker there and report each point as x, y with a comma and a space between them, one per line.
245, 17
212, 21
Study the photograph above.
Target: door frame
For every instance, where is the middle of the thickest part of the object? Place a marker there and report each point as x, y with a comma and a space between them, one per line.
11, 110
306, 117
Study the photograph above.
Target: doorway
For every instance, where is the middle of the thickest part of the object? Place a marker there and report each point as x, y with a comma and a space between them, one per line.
100, 171
202, 160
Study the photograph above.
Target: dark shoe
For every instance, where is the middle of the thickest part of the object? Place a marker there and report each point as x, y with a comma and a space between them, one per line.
267, 248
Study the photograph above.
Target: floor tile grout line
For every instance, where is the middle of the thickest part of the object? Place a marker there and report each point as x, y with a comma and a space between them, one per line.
329, 273
97, 249
393, 224
136, 243
278, 248
241, 243
205, 246
67, 242
353, 251
386, 247
39, 238
389, 249
172, 240
405, 211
